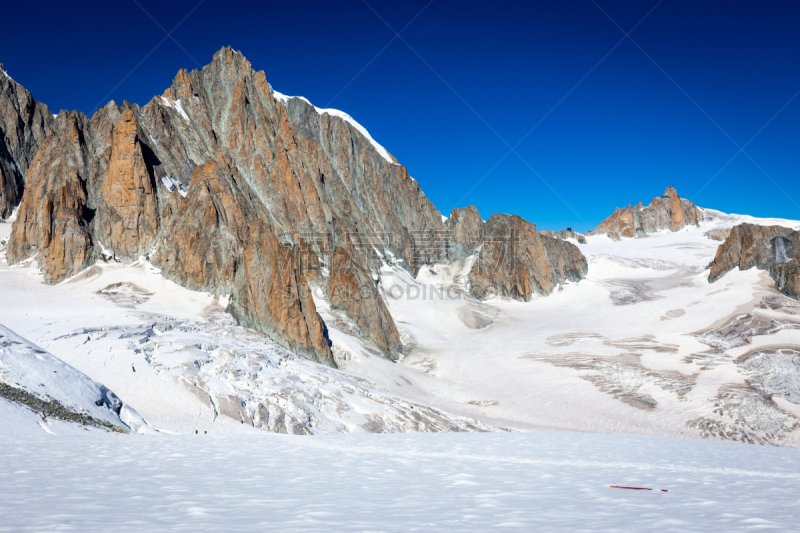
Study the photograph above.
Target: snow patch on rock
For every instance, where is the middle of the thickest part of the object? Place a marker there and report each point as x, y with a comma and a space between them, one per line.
344, 116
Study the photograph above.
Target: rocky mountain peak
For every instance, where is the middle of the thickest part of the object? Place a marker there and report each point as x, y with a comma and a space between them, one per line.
465, 227
668, 211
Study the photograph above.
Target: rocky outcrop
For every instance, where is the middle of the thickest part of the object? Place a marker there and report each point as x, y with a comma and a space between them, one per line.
565, 234
352, 289
464, 232
24, 125
230, 188
772, 248
204, 239
517, 261
668, 211
718, 234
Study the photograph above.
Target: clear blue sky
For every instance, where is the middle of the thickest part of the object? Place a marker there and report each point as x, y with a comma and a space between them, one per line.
480, 76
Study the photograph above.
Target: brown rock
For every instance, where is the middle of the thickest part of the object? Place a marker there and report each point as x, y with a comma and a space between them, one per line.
53, 219
272, 295
203, 243
516, 261
351, 289
127, 214
565, 234
666, 212
718, 234
772, 248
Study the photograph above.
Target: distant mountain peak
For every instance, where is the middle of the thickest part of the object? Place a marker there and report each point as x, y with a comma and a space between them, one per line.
668, 211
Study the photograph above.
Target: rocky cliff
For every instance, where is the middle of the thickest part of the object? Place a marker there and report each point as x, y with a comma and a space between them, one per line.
464, 232
772, 248
352, 289
517, 261
668, 211
24, 125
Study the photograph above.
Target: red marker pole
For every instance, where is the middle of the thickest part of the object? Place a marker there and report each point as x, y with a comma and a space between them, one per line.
634, 488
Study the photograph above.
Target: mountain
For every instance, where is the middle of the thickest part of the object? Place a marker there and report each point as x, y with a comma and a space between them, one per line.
24, 124
232, 188
666, 212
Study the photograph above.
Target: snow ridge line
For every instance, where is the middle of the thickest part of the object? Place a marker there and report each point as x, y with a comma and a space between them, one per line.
563, 462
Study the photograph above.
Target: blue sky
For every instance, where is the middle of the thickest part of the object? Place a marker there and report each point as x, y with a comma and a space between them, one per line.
617, 121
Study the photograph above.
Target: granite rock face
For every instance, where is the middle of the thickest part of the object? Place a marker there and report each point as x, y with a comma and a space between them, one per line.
464, 232
271, 294
230, 188
127, 222
55, 217
775, 249
668, 211
352, 289
24, 125
517, 261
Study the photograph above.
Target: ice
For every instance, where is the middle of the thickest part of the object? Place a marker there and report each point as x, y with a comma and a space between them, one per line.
181, 361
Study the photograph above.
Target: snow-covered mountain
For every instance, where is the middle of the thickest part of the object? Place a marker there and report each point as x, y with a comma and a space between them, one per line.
644, 345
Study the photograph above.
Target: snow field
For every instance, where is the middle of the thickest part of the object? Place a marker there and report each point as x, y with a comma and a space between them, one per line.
413, 482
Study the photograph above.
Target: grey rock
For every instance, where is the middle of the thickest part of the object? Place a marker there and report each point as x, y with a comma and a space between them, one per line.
464, 232
24, 125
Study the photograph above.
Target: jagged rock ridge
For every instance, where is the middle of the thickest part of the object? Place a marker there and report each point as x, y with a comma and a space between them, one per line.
24, 124
669, 211
775, 249
269, 183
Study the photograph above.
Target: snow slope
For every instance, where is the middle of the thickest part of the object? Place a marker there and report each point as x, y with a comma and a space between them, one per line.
645, 345
413, 482
52, 390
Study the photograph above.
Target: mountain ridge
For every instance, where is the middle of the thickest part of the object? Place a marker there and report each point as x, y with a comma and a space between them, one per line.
233, 189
